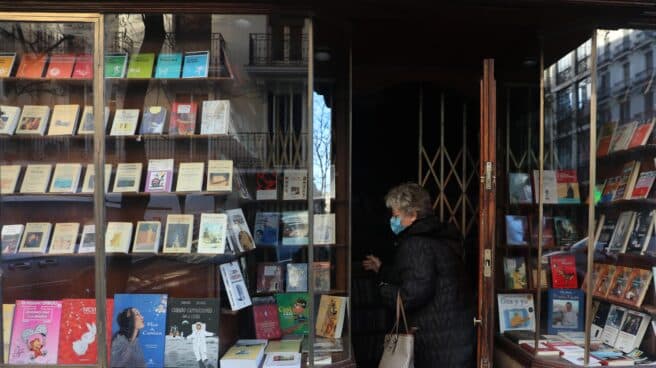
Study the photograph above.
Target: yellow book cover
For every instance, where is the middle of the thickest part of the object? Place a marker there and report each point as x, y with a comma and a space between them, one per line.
284, 346
6, 64
245, 351
330, 319
7, 319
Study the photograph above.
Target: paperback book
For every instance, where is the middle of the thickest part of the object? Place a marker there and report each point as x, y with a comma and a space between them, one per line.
516, 312
622, 136
324, 229
83, 68
520, 191
179, 232
115, 65
60, 66
196, 64
212, 233
616, 317
219, 175
32, 65
128, 177
295, 228
9, 178
605, 138
88, 239
641, 231
566, 232
87, 123
266, 186
548, 240
632, 331
642, 133
619, 283
64, 238
89, 183
77, 335
265, 317
215, 117
146, 239
7, 60
7, 322
643, 185
244, 354
269, 277
549, 186
154, 118
159, 177
125, 122
331, 315
35, 332
190, 177
517, 230
10, 238
563, 271
36, 179
168, 65
297, 277
183, 118
620, 238
36, 237
33, 120
235, 286
568, 186
192, 333
321, 276
565, 310
64, 120
239, 235
293, 313
294, 185
118, 237
66, 178
9, 116
267, 225
141, 65
514, 270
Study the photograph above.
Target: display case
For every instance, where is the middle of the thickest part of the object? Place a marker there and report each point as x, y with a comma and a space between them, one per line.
180, 169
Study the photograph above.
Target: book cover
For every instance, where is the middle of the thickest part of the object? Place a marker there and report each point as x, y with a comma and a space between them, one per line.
168, 65
115, 65
266, 186
88, 239
146, 238
288, 360
64, 120
65, 178
215, 117
154, 118
548, 240
33, 120
644, 184
64, 238
77, 334
549, 186
9, 178
36, 179
239, 235
620, 238
35, 238
321, 276
622, 136
297, 277
89, 178
159, 177
288, 345
605, 278
627, 181
600, 312
642, 133
267, 226
7, 60
514, 270
519, 188
179, 232
605, 137
244, 354
294, 185
219, 175
147, 313
118, 237
125, 122
295, 228
609, 190
31, 65
141, 65
516, 312
35, 332
235, 286
9, 116
563, 271
190, 177
212, 233
636, 287
265, 318
616, 317
87, 122
543, 349
293, 313
60, 66
192, 333
324, 229
10, 238
565, 310
568, 186
619, 283
566, 231
330, 318
196, 64
183, 118
640, 232
7, 321
632, 331
83, 68
128, 177
605, 234
269, 277
544, 281
596, 269
516, 230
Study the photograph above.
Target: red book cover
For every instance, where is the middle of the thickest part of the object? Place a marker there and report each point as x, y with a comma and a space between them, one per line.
77, 335
31, 66
605, 137
563, 272
183, 118
60, 66
641, 133
644, 184
83, 67
267, 324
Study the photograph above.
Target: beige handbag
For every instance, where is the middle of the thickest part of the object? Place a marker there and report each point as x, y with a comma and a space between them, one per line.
398, 350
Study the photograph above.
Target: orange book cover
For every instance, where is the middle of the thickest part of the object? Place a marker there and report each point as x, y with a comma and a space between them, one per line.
605, 137
636, 287
77, 335
32, 65
641, 134
619, 284
183, 118
60, 66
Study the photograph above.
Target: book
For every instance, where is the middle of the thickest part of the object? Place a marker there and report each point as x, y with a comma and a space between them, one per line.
235, 286
179, 232
64, 238
33, 120
619, 283
215, 117
151, 308
295, 228
293, 313
613, 361
141, 65
115, 65
7, 320
118, 237
321, 276
153, 120
641, 133
289, 345
330, 318
568, 186
183, 118
596, 269
297, 277
9, 178
7, 60
514, 270
519, 188
544, 281
632, 331
31, 65
605, 137
549, 186
159, 177
516, 312
87, 123
88, 239
239, 235
219, 175
267, 225
77, 334
629, 176
128, 177
522, 336
605, 234
35, 332
244, 354
565, 310
168, 65
64, 120
146, 238
9, 116
288, 360
265, 318
36, 179
600, 312
579, 360
196, 64
83, 68
35, 237
10, 238
620, 238
60, 66
609, 190
324, 229
566, 232
605, 278
644, 184
190, 177
563, 271
192, 333
636, 287
212, 233
543, 349
294, 185
88, 185
517, 230
266, 186
65, 178
641, 231
616, 317
622, 136
269, 277
125, 122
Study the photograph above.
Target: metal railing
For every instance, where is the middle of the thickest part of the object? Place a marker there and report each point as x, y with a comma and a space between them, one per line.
643, 76
564, 75
266, 49
622, 47
620, 86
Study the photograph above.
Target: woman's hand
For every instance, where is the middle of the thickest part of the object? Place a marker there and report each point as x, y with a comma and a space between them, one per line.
372, 263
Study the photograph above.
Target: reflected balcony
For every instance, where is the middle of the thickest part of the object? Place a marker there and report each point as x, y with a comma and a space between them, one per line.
603, 58
582, 65
603, 92
622, 48
564, 75
620, 87
642, 38
643, 76
265, 49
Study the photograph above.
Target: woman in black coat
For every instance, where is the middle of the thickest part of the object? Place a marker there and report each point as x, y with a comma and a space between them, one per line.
429, 272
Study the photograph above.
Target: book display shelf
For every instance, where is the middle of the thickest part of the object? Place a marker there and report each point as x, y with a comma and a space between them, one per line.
159, 164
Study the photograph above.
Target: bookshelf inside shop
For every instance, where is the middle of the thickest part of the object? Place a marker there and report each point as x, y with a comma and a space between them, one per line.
226, 215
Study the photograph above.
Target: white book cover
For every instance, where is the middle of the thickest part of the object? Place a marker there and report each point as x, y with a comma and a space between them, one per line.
9, 178
215, 117
324, 228
11, 238
128, 177
294, 185
516, 312
295, 228
125, 122
33, 120
212, 233
36, 179
88, 239
190, 177
87, 121
614, 322
287, 360
89, 178
633, 330
64, 238
550, 186
159, 177
35, 238
219, 175
235, 286
622, 232
239, 235
9, 116
622, 136
179, 231
146, 238
64, 120
66, 178
118, 237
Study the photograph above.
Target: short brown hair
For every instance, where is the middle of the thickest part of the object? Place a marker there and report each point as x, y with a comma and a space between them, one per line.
410, 198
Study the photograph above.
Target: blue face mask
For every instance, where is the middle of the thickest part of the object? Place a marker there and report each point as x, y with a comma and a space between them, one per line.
395, 225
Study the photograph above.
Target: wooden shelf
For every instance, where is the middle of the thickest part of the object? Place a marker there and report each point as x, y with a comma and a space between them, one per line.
47, 198
629, 204
645, 308
188, 258
46, 80
636, 153
170, 80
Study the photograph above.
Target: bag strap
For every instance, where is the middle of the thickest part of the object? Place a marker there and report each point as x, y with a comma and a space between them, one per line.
400, 313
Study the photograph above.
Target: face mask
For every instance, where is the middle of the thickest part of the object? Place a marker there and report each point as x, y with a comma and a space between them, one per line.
395, 224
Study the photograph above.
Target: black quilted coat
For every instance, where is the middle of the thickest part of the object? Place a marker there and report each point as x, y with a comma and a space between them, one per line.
428, 269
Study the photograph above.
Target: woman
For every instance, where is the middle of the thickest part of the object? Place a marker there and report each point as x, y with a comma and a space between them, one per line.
126, 350
429, 273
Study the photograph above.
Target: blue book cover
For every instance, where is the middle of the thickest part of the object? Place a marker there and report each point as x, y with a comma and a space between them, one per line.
153, 120
149, 311
168, 65
267, 225
196, 64
565, 310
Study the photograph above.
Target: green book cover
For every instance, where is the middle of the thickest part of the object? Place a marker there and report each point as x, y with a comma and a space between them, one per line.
141, 65
115, 65
293, 313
